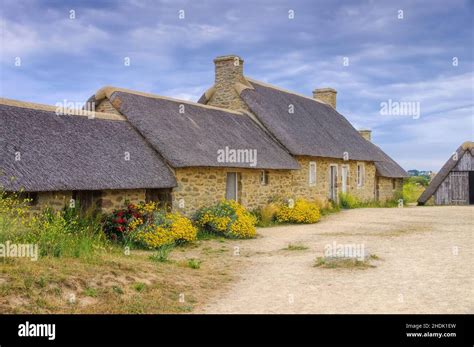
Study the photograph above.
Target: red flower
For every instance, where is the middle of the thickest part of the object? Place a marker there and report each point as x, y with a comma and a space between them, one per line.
120, 221
120, 228
120, 214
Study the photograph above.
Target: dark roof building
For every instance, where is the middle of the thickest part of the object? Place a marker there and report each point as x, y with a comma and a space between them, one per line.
43, 151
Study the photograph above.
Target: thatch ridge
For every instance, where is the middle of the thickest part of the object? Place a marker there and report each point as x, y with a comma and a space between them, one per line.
68, 112
444, 172
107, 91
192, 138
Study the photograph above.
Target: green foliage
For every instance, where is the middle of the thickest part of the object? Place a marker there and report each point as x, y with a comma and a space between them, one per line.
412, 191
194, 263
66, 233
348, 201
162, 253
228, 218
421, 180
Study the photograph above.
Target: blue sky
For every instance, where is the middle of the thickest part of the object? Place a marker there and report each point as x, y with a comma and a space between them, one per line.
408, 59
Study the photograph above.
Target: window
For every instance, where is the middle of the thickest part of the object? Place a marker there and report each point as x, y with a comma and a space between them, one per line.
394, 184
312, 173
263, 177
360, 175
32, 197
232, 186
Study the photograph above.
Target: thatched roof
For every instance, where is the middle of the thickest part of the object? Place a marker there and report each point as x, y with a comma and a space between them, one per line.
194, 136
445, 170
73, 152
314, 129
388, 167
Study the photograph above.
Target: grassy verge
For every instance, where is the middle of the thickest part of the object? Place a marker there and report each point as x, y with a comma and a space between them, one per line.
113, 282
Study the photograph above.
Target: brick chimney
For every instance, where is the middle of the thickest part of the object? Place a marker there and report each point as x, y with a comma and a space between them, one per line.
229, 70
326, 95
366, 134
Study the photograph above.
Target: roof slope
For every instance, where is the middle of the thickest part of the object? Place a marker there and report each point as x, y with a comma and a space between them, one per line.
447, 167
314, 129
194, 137
389, 167
72, 152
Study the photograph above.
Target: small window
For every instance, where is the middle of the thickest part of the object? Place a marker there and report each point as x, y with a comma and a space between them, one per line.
32, 197
232, 186
394, 184
360, 175
312, 173
264, 178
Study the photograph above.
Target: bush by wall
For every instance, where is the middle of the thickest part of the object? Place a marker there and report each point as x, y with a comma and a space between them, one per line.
303, 211
228, 218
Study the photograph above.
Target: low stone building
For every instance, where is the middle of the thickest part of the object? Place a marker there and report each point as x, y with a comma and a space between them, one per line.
244, 140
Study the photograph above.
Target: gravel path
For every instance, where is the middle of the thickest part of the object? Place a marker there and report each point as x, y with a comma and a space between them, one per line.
425, 265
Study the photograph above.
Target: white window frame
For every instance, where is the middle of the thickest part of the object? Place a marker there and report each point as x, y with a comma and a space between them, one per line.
360, 175
312, 179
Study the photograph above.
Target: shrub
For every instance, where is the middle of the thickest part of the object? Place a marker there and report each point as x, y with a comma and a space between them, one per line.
56, 233
162, 228
302, 212
412, 191
266, 215
229, 218
147, 226
347, 200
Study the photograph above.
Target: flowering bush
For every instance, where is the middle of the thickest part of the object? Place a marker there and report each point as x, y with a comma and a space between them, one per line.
148, 227
164, 229
229, 218
303, 211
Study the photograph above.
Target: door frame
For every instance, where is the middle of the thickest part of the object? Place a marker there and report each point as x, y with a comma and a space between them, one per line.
345, 182
333, 187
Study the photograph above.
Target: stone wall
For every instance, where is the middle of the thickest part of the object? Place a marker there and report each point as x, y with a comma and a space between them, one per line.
200, 187
388, 187
110, 199
54, 200
115, 199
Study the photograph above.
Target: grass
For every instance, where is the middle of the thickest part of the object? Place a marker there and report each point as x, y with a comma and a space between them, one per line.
194, 263
344, 263
113, 282
295, 247
162, 254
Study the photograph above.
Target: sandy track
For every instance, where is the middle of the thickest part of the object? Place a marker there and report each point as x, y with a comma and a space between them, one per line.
419, 270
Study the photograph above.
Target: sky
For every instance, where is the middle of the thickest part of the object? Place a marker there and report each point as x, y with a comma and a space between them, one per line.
374, 53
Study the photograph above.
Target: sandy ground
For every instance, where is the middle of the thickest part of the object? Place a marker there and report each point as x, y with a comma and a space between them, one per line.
425, 265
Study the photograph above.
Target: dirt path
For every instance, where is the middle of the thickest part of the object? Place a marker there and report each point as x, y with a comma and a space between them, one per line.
425, 266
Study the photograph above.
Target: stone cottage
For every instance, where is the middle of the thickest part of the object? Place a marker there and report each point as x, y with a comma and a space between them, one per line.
243, 140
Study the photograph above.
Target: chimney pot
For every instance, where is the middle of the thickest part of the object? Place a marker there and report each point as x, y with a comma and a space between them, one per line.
326, 95
366, 134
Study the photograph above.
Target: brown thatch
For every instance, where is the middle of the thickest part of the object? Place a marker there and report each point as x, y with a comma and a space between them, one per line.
388, 167
445, 170
194, 136
70, 152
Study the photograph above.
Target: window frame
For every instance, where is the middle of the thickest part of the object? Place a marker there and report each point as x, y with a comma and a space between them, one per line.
313, 182
360, 174
264, 177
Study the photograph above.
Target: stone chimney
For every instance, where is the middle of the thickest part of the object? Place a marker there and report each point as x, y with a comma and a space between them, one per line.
366, 134
326, 95
229, 71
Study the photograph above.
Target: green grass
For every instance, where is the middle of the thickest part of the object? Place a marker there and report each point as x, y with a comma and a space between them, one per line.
295, 247
194, 263
139, 286
92, 292
412, 191
162, 253
342, 263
